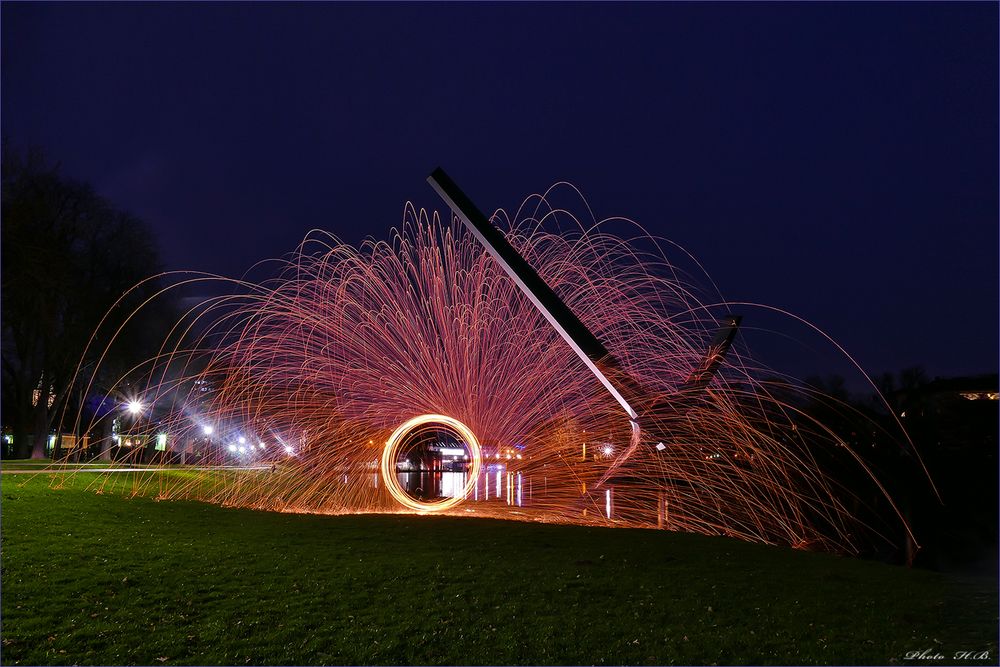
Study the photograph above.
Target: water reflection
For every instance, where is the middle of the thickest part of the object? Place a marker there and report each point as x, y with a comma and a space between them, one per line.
496, 485
432, 484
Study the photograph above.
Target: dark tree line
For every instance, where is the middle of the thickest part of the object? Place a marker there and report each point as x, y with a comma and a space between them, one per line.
948, 494
67, 256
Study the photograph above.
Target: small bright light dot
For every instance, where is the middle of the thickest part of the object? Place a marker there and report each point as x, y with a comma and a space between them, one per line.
261, 445
243, 450
232, 448
135, 407
607, 450
242, 440
207, 429
289, 450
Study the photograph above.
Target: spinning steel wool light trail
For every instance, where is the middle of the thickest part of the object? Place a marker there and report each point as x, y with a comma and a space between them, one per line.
430, 373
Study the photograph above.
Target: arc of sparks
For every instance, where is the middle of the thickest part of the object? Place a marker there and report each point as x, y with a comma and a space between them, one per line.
317, 368
576, 334
584, 343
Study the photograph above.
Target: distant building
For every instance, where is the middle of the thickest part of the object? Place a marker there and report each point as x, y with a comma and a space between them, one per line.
953, 413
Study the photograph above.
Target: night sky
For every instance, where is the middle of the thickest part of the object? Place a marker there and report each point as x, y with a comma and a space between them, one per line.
838, 161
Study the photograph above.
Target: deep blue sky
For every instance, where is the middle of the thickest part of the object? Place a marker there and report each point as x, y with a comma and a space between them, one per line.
839, 161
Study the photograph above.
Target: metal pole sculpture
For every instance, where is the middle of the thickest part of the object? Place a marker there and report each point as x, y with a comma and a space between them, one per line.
573, 331
586, 345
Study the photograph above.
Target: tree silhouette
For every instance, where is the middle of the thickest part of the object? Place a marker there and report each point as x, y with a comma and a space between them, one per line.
67, 256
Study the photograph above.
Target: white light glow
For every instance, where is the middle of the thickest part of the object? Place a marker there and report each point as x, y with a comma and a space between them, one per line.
208, 429
453, 484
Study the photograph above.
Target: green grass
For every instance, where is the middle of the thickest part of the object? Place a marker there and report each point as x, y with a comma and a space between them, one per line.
46, 464
42, 464
91, 578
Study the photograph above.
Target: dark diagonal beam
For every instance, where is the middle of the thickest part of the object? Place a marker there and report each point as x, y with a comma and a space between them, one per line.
703, 374
574, 332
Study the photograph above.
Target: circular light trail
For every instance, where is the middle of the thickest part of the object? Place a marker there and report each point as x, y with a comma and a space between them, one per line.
391, 451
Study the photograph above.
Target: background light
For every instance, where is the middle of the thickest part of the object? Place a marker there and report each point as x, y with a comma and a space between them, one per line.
135, 407
207, 430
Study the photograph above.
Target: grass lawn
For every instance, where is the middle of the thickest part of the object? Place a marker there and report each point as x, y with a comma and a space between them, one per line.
100, 579
40, 464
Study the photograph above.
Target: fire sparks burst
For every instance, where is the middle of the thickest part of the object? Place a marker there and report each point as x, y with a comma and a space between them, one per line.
296, 394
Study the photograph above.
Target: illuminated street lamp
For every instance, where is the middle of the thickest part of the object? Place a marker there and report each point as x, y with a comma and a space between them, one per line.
135, 407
